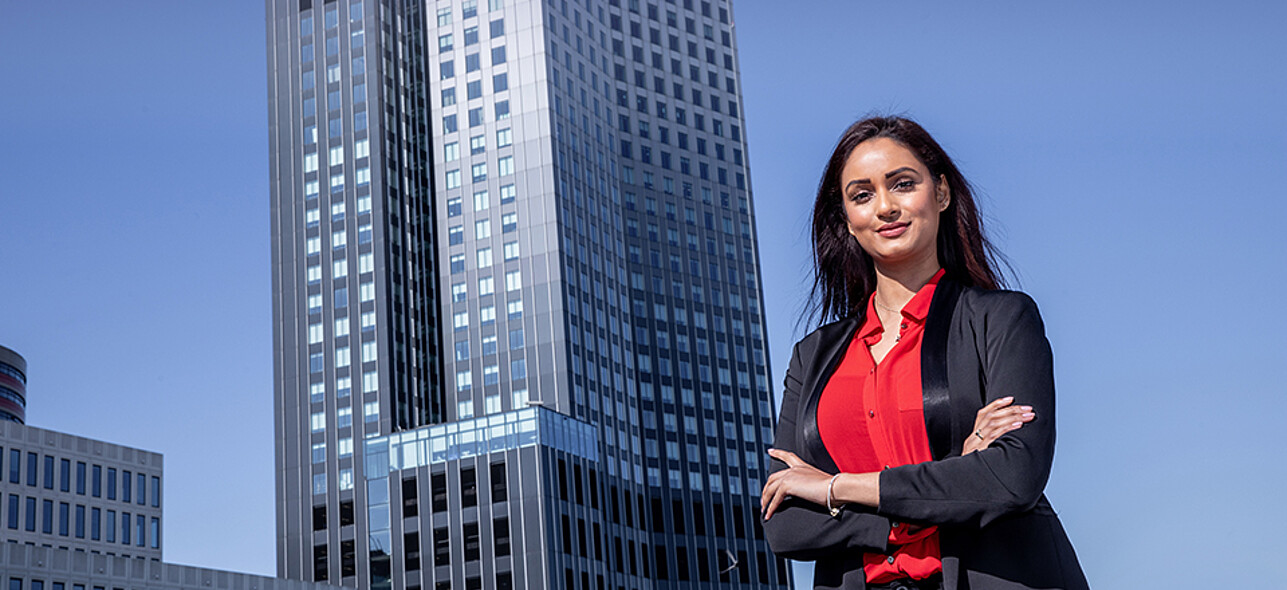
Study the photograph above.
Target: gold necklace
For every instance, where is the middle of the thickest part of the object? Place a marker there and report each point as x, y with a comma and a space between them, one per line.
899, 336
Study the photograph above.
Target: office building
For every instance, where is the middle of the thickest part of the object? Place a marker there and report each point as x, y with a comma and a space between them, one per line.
85, 495
13, 386
518, 334
84, 514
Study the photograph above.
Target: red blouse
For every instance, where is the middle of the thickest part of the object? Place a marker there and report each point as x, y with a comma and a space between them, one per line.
871, 417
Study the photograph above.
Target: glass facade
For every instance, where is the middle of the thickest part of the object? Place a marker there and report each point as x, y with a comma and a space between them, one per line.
571, 177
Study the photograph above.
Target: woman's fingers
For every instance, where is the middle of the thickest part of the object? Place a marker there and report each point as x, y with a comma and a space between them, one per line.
995, 405
791, 459
1004, 421
768, 498
994, 421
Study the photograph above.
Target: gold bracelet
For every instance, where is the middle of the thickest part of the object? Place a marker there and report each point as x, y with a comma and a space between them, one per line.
834, 510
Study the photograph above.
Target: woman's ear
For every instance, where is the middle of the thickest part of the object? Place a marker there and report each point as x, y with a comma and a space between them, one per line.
943, 193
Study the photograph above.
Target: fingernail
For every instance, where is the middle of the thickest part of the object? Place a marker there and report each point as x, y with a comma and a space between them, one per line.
1029, 415
1017, 424
1008, 398
1026, 408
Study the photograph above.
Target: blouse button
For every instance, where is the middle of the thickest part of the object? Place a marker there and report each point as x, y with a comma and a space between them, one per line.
871, 413
890, 559
894, 524
903, 326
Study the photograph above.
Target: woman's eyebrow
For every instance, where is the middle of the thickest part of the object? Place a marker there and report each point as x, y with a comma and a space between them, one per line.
894, 173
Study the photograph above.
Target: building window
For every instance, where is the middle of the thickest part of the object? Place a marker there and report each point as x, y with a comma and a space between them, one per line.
441, 545
411, 551
498, 482
471, 541
64, 515
320, 569
30, 524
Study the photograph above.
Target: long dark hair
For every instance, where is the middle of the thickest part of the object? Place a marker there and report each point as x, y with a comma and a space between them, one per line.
843, 274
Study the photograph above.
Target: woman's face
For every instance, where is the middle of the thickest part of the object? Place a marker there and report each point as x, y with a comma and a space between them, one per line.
891, 203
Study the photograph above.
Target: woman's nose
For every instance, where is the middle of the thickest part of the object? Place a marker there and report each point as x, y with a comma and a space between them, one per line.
886, 208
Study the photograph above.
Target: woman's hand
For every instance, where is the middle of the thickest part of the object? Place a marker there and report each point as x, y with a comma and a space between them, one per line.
994, 420
799, 480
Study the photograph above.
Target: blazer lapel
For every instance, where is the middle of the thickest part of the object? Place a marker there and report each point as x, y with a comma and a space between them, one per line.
831, 350
941, 429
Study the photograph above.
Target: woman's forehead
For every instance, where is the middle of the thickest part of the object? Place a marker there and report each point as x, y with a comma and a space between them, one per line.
874, 157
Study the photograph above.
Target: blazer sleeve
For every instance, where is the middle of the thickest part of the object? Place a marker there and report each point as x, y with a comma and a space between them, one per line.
805, 531
1010, 475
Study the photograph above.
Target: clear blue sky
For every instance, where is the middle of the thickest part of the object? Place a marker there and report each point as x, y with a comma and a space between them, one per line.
1130, 157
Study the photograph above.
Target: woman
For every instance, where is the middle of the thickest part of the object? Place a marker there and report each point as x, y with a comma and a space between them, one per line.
917, 431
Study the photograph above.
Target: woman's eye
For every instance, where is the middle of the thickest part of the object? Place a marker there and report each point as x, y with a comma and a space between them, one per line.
860, 196
904, 185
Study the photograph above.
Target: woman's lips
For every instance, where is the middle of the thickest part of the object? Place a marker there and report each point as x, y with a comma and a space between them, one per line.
892, 230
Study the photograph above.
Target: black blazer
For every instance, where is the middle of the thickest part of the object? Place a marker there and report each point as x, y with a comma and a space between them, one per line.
996, 529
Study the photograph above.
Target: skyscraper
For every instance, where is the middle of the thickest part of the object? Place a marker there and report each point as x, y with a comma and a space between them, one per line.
518, 333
